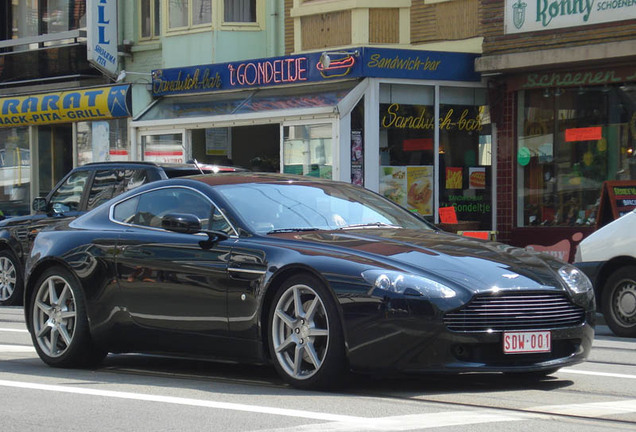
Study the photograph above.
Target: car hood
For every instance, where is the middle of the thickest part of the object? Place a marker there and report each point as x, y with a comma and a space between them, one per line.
473, 264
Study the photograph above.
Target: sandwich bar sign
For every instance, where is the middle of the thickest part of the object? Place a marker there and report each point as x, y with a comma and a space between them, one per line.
538, 15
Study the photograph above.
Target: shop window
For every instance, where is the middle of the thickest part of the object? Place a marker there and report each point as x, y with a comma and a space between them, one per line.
184, 14
307, 150
407, 120
408, 153
150, 16
15, 166
239, 11
465, 157
100, 141
569, 142
164, 148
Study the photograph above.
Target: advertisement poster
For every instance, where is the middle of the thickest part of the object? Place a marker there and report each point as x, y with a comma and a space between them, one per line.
454, 178
217, 141
357, 158
420, 189
393, 183
409, 186
477, 178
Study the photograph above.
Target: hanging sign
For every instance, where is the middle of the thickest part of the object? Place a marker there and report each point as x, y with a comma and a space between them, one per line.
101, 35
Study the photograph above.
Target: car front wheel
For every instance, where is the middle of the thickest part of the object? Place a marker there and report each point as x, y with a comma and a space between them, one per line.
619, 301
59, 325
306, 338
10, 280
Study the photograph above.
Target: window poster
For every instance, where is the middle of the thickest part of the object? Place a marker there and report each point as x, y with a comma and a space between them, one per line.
393, 183
477, 178
357, 158
454, 178
216, 141
409, 186
420, 189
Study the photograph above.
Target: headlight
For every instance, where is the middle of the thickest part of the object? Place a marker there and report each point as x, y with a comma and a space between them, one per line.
408, 284
575, 279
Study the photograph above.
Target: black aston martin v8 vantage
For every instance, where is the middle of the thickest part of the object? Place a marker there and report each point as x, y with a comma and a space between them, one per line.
317, 277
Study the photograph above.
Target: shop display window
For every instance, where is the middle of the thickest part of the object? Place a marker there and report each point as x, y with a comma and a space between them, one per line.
409, 153
99, 141
163, 148
465, 157
15, 172
571, 140
307, 150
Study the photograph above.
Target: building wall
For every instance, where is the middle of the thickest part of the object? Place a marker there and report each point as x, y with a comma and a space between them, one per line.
496, 42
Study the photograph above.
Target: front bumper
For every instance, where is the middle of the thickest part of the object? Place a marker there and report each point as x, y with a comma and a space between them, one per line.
401, 338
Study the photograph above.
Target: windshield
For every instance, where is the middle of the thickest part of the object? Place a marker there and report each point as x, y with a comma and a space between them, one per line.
281, 207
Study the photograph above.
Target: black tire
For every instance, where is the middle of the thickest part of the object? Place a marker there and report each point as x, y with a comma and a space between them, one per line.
11, 286
619, 301
58, 321
305, 335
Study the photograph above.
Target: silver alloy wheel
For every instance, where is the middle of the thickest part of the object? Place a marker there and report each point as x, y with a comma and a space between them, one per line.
8, 278
54, 316
625, 302
300, 332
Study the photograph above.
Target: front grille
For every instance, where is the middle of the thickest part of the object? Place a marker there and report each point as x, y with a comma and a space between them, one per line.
523, 311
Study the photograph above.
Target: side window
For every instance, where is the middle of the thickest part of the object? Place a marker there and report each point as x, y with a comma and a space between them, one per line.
110, 183
148, 209
68, 197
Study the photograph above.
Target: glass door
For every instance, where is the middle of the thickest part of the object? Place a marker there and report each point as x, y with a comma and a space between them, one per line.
55, 155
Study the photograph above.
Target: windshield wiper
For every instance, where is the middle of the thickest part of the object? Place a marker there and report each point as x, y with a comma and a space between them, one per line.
288, 230
370, 225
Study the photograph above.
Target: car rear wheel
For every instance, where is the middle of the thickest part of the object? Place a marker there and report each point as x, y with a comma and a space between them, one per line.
58, 322
619, 301
306, 340
10, 280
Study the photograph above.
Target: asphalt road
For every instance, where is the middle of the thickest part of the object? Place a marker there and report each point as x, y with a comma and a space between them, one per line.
143, 393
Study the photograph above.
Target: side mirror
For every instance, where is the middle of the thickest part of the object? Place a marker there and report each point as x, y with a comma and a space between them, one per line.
183, 223
39, 204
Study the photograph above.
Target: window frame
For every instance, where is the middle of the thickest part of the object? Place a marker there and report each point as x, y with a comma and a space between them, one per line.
256, 25
155, 22
190, 26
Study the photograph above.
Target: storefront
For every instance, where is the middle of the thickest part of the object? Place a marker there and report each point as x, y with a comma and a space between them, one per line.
412, 125
576, 129
45, 135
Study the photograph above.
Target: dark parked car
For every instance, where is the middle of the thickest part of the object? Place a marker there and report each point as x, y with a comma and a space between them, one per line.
316, 276
82, 189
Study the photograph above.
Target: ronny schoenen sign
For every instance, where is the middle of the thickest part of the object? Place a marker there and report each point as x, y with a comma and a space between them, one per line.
537, 15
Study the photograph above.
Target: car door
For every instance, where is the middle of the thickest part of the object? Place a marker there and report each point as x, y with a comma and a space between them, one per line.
174, 285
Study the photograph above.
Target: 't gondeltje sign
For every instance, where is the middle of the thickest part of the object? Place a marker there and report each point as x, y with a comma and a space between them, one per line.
537, 15
101, 35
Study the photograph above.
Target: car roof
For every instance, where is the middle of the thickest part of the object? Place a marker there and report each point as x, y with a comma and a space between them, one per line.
179, 169
257, 177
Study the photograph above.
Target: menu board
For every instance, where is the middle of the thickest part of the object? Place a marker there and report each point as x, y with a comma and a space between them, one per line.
618, 197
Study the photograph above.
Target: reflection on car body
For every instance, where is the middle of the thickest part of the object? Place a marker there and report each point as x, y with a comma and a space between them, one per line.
317, 277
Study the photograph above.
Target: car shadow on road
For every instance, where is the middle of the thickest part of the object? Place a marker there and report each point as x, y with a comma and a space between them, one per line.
232, 378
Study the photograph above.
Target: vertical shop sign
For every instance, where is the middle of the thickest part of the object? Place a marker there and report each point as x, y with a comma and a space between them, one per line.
357, 158
101, 35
